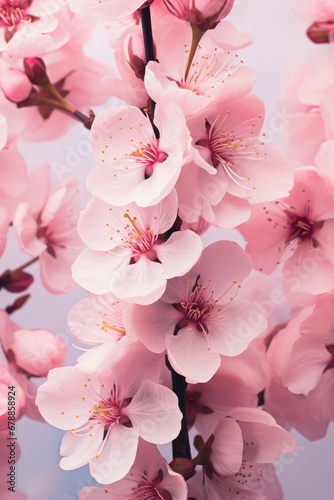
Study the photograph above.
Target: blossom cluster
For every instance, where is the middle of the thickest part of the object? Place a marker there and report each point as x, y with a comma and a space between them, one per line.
178, 334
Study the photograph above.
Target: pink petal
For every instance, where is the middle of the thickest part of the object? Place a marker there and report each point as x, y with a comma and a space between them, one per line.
190, 356
113, 189
227, 447
93, 270
117, 455
60, 401
79, 450
230, 212
154, 413
187, 245
153, 323
306, 364
26, 229
241, 323
141, 282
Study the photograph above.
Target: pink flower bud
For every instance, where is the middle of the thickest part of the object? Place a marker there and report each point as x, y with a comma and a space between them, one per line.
37, 351
205, 14
16, 281
15, 85
321, 32
211, 8
35, 70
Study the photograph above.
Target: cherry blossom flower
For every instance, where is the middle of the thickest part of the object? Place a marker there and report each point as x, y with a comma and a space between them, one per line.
150, 477
36, 351
80, 80
243, 445
305, 106
135, 166
24, 361
231, 140
45, 227
309, 366
298, 232
237, 382
98, 321
236, 165
202, 307
106, 415
31, 27
289, 409
213, 74
204, 13
15, 85
127, 257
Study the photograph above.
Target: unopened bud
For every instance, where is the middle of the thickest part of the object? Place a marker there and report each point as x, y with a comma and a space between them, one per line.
15, 281
321, 32
35, 70
206, 14
15, 85
184, 466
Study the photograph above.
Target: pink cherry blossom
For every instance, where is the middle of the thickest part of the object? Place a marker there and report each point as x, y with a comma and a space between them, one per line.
289, 409
135, 166
200, 12
31, 27
106, 415
244, 439
15, 85
309, 366
213, 74
236, 162
127, 257
237, 382
204, 309
305, 115
45, 227
98, 321
296, 230
150, 477
37, 351
230, 139
83, 87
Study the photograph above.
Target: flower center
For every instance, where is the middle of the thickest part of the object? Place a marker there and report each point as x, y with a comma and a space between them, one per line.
146, 491
107, 412
11, 14
198, 304
148, 155
229, 142
140, 241
207, 71
301, 228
